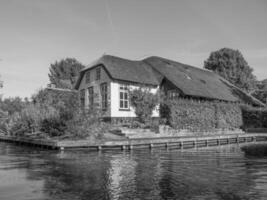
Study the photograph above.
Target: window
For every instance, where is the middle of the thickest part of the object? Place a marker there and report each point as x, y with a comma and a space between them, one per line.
91, 96
124, 97
104, 95
98, 73
173, 94
87, 77
82, 97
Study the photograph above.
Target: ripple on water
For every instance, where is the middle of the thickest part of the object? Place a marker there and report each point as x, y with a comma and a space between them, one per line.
227, 172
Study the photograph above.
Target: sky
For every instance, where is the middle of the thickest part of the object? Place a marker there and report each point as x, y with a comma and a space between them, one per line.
36, 33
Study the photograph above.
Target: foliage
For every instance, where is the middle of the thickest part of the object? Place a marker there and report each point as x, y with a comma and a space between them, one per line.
260, 95
231, 65
201, 115
262, 85
63, 73
144, 102
12, 105
254, 117
49, 112
29, 120
87, 124
66, 102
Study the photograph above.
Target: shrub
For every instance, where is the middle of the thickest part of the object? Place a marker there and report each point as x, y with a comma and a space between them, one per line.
144, 102
29, 120
87, 124
254, 117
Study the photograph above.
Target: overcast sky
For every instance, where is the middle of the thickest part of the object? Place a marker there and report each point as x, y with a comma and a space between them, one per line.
35, 33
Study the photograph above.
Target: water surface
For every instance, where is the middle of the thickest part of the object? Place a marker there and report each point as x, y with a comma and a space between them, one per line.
227, 172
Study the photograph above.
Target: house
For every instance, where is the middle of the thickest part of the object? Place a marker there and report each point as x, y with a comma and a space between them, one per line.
106, 84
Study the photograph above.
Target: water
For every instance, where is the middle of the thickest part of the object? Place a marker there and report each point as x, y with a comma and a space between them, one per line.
227, 172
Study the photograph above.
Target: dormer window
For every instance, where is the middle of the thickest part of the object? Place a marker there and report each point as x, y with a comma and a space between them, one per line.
98, 73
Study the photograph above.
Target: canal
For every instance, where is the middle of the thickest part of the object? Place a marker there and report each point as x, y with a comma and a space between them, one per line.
226, 172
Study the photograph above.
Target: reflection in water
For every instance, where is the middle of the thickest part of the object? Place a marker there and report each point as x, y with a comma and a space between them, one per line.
215, 173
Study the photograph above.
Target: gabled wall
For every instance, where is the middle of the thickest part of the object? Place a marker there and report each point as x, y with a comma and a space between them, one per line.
96, 84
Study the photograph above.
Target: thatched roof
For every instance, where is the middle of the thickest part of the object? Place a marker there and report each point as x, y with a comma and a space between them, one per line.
192, 81
125, 70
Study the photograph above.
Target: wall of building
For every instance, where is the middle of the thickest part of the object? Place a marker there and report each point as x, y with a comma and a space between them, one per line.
115, 100
113, 88
104, 78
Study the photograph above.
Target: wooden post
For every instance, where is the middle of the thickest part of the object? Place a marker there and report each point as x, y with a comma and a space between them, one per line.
62, 148
99, 148
130, 147
151, 146
181, 144
166, 145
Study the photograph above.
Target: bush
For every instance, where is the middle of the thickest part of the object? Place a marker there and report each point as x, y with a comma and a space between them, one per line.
201, 115
30, 119
53, 126
254, 117
87, 124
144, 102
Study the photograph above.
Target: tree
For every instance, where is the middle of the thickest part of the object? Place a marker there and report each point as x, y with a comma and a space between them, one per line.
231, 65
63, 73
12, 105
261, 91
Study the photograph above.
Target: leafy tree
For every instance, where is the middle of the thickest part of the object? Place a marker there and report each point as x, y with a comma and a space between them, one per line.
231, 65
12, 105
261, 95
63, 73
261, 91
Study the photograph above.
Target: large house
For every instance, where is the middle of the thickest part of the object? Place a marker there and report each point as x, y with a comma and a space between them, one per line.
106, 84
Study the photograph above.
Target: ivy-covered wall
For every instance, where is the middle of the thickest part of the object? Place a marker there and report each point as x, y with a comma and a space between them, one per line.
201, 115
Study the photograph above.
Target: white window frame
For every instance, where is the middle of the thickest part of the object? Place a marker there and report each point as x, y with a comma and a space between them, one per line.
124, 102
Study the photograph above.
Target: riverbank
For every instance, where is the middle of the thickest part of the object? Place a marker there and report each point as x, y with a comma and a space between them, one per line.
129, 144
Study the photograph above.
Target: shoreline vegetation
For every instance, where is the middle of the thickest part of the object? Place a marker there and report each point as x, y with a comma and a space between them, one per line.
56, 115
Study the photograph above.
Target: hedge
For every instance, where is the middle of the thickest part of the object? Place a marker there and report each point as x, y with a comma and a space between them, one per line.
254, 117
201, 115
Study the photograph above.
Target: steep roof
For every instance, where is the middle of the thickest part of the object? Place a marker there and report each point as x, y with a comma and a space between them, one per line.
126, 70
192, 81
